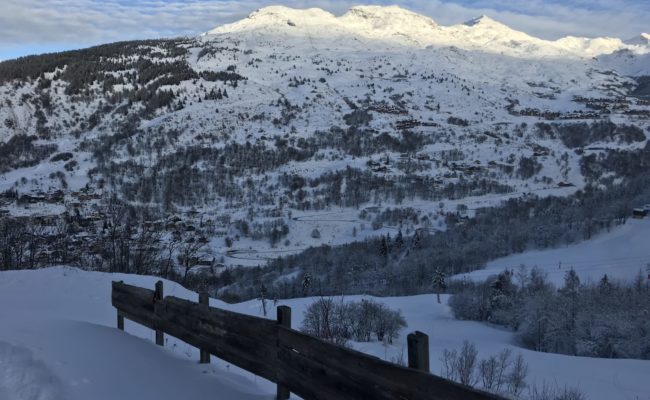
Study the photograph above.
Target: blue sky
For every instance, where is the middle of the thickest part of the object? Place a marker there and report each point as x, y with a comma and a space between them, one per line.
37, 26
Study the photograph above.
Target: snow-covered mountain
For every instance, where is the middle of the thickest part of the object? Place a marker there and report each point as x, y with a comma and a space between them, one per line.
641, 40
278, 127
396, 25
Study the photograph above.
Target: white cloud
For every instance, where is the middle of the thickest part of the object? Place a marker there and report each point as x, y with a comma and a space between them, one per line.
32, 25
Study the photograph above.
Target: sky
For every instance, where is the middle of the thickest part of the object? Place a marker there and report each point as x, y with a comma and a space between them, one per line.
38, 26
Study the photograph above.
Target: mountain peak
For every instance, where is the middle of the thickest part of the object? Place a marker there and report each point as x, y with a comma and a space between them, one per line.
387, 16
399, 26
642, 39
283, 12
277, 16
482, 20
384, 12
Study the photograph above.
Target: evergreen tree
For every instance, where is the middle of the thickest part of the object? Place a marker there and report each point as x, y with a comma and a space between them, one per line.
399, 241
439, 282
383, 247
604, 287
306, 284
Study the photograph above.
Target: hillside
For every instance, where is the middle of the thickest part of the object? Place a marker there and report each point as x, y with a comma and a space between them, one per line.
620, 253
292, 129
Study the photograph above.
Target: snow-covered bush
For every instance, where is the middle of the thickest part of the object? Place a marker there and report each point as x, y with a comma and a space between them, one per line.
606, 320
339, 322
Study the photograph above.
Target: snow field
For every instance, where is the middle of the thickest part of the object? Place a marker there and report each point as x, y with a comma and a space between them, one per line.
620, 253
62, 327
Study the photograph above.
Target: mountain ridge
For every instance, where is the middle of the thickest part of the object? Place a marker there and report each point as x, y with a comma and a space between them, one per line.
399, 25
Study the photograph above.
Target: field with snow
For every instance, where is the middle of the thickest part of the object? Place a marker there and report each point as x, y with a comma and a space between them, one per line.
58, 341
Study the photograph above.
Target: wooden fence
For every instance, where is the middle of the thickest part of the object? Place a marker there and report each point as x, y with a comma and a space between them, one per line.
298, 363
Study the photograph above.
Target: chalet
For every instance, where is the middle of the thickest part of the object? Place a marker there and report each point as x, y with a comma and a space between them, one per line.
46, 220
89, 197
565, 184
407, 124
55, 197
27, 199
639, 213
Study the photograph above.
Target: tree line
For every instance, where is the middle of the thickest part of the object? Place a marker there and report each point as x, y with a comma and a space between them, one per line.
606, 319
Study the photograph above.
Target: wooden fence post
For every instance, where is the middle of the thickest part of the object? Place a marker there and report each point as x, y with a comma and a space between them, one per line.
158, 295
284, 320
418, 351
120, 318
204, 301
120, 321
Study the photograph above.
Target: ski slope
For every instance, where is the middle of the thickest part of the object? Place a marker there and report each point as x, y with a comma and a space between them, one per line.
58, 341
620, 253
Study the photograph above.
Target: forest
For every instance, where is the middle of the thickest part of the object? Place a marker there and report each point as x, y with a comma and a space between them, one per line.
606, 319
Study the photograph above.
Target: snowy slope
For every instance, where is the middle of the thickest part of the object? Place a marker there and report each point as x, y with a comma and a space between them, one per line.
61, 344
57, 341
620, 253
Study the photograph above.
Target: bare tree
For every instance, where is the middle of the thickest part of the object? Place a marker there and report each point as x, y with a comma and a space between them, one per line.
262, 298
466, 364
188, 253
168, 251
517, 376
449, 364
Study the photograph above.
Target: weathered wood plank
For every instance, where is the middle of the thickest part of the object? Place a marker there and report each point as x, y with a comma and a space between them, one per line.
237, 342
418, 351
134, 303
283, 314
204, 301
158, 296
299, 363
314, 381
120, 321
358, 374
218, 321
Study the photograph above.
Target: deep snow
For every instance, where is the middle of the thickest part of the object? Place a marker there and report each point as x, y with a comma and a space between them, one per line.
59, 339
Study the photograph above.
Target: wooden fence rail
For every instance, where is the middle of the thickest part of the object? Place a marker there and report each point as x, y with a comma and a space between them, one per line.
298, 363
